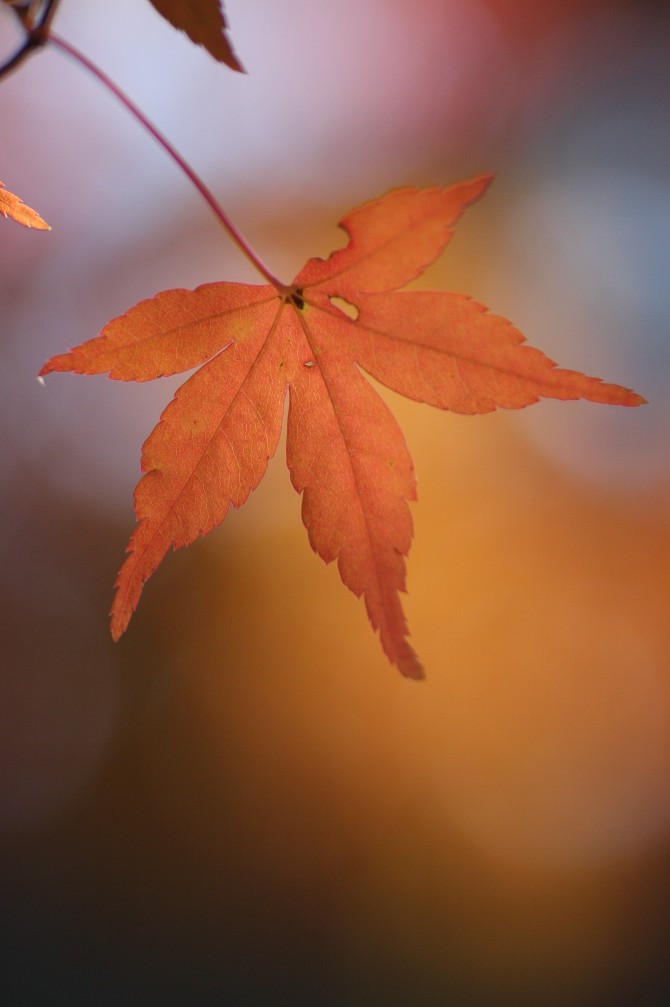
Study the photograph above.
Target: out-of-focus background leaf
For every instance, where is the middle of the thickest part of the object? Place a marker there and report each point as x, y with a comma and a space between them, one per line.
241, 802
204, 22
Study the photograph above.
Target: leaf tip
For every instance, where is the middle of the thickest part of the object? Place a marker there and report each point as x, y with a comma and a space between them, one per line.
408, 663
479, 185
205, 25
13, 208
118, 622
618, 395
414, 670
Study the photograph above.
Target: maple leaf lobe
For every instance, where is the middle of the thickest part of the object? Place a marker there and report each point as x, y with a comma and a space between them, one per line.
449, 351
392, 239
13, 207
171, 332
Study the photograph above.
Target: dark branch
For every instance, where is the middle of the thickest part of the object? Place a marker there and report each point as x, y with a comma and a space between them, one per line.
35, 17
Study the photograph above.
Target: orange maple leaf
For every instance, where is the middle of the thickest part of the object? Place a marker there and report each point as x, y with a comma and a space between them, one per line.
12, 206
204, 23
345, 451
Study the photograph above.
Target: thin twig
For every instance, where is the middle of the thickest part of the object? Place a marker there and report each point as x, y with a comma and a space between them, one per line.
37, 31
214, 205
29, 45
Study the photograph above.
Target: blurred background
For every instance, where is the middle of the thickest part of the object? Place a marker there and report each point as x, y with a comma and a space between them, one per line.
241, 802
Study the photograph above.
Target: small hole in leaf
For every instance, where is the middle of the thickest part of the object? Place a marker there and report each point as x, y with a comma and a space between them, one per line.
345, 306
